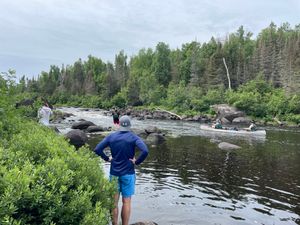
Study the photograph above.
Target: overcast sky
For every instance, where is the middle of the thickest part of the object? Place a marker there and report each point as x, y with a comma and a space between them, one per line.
35, 34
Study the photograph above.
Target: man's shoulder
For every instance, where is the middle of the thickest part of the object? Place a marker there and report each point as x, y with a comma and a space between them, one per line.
126, 134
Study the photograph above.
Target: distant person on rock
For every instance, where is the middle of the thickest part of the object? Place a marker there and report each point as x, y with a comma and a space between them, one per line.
116, 116
44, 114
122, 144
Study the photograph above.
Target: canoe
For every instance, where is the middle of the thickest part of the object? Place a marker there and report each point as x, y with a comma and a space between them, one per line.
236, 132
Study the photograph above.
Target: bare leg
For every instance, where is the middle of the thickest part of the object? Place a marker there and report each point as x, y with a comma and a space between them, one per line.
115, 211
126, 208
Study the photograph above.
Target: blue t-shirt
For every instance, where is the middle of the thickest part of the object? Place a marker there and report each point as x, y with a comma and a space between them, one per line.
122, 145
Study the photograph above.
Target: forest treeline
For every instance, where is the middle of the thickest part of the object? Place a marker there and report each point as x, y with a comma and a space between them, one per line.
186, 79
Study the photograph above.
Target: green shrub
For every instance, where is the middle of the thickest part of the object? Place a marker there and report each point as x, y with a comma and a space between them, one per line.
44, 180
119, 100
293, 105
276, 102
295, 118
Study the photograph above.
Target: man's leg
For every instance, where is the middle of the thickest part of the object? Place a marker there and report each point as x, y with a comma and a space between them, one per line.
127, 190
115, 211
126, 209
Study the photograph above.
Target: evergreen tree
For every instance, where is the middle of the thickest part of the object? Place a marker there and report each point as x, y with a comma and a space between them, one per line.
162, 64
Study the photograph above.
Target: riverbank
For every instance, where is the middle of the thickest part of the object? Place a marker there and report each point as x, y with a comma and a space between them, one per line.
162, 114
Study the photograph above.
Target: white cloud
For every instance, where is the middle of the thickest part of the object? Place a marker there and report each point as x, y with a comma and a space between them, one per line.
62, 31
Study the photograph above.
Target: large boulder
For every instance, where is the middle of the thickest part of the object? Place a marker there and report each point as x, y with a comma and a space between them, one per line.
155, 138
82, 125
92, 129
225, 121
25, 102
241, 120
152, 129
228, 146
228, 112
77, 138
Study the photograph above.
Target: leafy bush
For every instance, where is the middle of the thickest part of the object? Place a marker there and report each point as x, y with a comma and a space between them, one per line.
119, 100
292, 118
258, 85
204, 102
177, 98
44, 181
293, 105
276, 102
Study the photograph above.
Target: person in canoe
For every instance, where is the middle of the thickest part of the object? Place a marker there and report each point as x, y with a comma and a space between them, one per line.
218, 124
252, 127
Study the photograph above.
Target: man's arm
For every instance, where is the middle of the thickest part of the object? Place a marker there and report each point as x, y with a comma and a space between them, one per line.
100, 148
144, 151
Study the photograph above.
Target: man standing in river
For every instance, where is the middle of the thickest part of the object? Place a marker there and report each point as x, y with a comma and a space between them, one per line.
122, 169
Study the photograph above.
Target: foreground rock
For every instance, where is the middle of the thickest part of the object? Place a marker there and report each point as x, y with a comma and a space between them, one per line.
77, 138
228, 146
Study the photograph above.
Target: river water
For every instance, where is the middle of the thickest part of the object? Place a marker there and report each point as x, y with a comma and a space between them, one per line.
188, 180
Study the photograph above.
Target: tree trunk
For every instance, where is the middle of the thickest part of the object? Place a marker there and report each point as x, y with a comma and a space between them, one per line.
228, 77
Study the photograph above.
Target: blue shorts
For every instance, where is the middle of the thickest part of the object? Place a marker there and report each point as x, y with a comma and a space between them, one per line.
125, 183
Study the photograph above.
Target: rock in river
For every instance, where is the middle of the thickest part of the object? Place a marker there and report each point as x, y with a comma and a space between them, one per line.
77, 138
228, 146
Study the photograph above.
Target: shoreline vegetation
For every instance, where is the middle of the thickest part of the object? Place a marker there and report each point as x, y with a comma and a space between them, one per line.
260, 76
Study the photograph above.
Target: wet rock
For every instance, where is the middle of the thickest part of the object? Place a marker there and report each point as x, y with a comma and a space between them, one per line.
228, 112
82, 125
225, 121
228, 146
59, 116
196, 118
92, 129
152, 129
241, 120
148, 117
155, 138
214, 140
139, 132
77, 138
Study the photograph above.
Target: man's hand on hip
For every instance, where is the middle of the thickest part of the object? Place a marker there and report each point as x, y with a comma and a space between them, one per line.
133, 160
